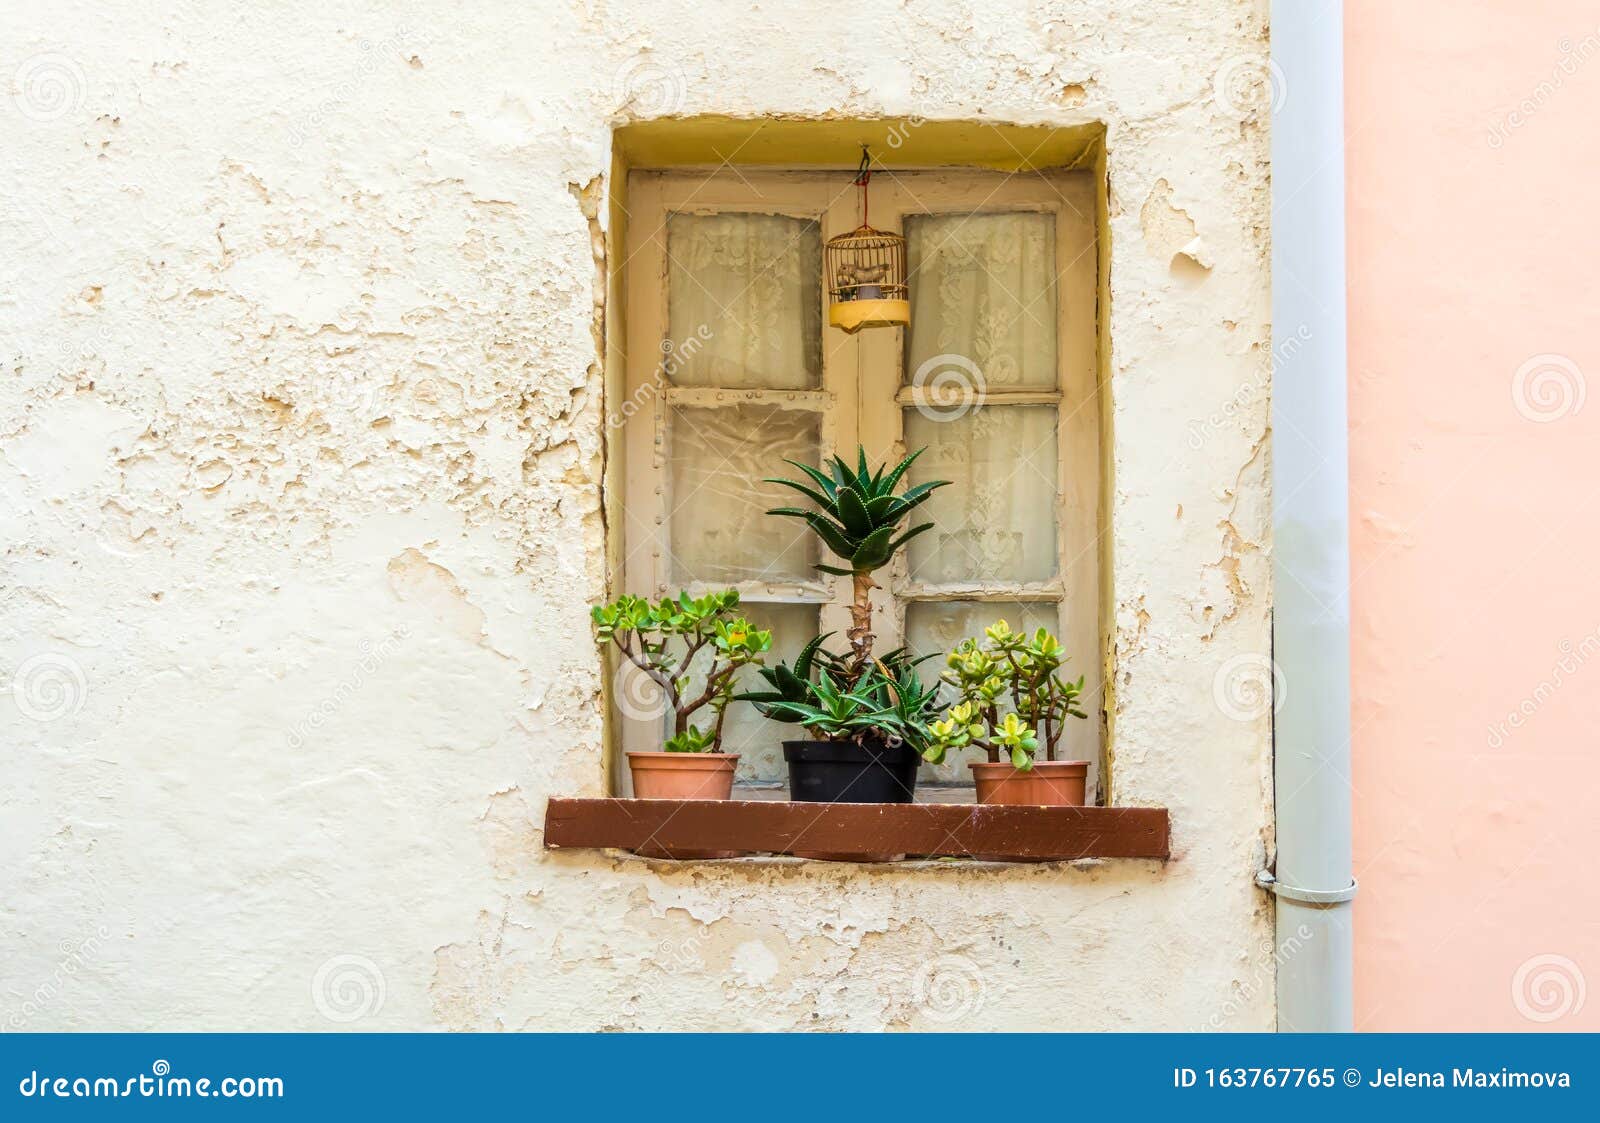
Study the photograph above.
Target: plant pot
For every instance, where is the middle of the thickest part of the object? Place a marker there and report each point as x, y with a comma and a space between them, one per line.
682, 776
1049, 783
848, 772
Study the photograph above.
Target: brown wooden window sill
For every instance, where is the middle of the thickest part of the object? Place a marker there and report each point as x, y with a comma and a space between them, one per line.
860, 831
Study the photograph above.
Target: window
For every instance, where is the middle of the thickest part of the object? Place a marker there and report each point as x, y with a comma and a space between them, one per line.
730, 369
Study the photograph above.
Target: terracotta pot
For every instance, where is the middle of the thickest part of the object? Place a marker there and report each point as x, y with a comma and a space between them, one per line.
1049, 783
682, 776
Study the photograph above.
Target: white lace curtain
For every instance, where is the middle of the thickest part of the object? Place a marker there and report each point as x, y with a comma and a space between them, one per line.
983, 287
744, 301
984, 318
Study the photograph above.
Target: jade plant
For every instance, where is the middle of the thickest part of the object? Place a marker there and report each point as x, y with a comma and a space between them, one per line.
1011, 697
663, 640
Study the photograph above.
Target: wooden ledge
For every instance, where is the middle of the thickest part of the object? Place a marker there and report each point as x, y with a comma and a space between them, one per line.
1036, 834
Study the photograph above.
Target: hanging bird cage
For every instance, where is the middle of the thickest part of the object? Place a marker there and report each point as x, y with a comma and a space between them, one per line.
865, 272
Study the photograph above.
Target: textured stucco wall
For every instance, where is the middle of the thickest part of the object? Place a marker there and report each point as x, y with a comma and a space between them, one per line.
1473, 461
300, 451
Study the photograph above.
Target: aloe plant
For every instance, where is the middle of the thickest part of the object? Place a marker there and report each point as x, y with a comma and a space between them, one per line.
822, 693
662, 641
857, 515
1008, 668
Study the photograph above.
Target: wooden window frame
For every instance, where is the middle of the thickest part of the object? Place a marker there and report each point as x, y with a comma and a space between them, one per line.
865, 391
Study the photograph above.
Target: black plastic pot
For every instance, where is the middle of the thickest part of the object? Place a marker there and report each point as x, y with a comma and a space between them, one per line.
847, 772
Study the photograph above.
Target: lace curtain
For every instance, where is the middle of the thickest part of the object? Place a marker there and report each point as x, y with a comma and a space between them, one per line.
744, 301
719, 530
983, 287
997, 519
984, 318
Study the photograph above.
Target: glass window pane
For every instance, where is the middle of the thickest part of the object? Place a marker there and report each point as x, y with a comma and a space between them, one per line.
744, 301
983, 288
996, 521
935, 627
718, 528
757, 740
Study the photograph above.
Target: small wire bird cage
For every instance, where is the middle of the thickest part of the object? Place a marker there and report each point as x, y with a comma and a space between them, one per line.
865, 271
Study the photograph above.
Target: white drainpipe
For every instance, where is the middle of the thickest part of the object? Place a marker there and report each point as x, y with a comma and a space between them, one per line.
1311, 878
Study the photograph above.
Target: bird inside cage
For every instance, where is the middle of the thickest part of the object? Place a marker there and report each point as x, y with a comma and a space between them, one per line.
861, 282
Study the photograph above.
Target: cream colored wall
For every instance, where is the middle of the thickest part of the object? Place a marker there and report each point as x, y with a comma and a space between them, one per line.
300, 460
1476, 620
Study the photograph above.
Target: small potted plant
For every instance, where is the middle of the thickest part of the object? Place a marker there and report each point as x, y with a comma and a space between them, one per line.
869, 730
866, 716
662, 641
1010, 699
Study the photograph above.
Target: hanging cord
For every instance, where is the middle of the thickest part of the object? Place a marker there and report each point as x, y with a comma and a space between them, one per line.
863, 176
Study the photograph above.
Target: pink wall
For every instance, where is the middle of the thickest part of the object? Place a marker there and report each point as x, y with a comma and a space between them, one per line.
1475, 508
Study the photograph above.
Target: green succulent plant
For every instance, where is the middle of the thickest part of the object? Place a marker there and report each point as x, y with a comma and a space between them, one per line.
821, 693
1004, 667
662, 639
857, 516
